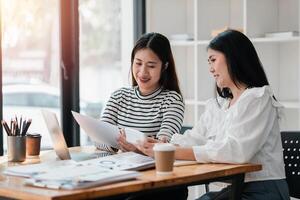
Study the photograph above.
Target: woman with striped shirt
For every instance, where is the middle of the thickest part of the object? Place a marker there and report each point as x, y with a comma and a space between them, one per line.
153, 105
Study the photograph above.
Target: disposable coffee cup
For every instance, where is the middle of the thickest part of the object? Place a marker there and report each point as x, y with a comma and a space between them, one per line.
16, 148
164, 154
33, 144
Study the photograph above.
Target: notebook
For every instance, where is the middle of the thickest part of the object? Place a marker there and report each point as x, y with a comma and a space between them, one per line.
59, 142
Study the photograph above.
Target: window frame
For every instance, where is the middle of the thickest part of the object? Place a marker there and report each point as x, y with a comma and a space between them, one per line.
69, 63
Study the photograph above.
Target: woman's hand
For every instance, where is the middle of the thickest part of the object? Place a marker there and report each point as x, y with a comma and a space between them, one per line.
123, 144
146, 146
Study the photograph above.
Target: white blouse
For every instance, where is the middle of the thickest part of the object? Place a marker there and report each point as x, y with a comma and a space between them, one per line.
247, 132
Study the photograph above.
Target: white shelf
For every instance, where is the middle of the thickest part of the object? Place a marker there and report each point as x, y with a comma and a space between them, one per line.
279, 55
203, 42
286, 104
182, 42
275, 39
254, 40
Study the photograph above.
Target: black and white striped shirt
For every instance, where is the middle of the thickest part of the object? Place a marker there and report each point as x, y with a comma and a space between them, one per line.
159, 114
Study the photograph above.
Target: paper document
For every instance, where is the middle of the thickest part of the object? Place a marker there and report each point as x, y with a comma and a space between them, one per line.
103, 132
133, 136
79, 176
34, 169
123, 161
68, 174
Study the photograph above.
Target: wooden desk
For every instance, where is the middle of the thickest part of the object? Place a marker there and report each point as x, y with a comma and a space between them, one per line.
13, 187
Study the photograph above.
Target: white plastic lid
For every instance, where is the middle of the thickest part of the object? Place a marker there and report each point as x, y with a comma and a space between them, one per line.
164, 147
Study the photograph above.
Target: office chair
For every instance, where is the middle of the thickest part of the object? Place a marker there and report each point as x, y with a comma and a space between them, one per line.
183, 129
291, 155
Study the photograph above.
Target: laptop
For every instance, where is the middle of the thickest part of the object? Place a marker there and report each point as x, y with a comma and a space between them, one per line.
59, 142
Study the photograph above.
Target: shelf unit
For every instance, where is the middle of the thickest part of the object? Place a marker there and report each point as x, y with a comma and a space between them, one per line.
197, 19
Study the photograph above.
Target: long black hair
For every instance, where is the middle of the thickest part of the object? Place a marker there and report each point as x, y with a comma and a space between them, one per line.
160, 45
243, 63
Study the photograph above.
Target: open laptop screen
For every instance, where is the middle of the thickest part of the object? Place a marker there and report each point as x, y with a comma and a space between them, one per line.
56, 135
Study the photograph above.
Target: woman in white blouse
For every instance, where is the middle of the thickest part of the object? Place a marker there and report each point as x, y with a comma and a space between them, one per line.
240, 125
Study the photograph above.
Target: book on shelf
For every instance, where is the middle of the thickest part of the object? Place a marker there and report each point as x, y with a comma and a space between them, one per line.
282, 34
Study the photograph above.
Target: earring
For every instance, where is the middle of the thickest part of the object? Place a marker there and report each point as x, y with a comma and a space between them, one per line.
166, 65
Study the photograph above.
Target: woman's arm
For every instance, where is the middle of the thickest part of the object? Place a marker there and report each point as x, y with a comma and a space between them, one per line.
124, 145
173, 114
146, 147
198, 135
184, 153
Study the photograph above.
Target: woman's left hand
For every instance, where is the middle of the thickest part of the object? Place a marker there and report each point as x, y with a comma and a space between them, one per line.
146, 146
123, 144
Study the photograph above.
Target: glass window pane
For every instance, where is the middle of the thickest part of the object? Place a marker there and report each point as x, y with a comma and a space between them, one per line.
103, 27
30, 43
15, 100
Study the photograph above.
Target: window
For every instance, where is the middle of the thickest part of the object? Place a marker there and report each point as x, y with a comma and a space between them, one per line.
15, 100
105, 47
43, 100
30, 55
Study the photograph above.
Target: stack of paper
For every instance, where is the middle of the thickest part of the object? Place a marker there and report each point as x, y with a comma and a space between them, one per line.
123, 161
130, 161
34, 169
79, 176
68, 174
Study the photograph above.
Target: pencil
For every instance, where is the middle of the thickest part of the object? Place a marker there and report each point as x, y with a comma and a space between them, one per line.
4, 124
20, 125
26, 127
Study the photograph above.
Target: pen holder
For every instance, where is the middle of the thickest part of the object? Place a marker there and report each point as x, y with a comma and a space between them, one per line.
33, 144
16, 148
